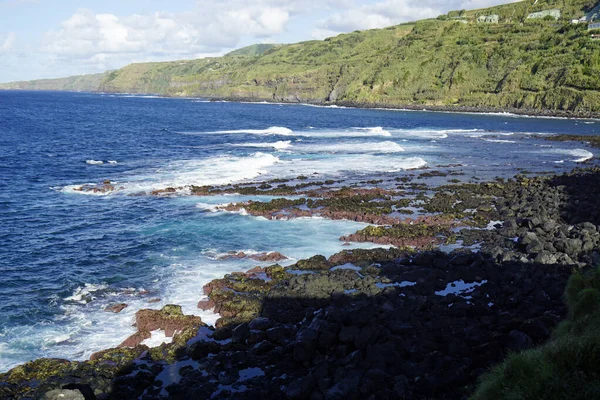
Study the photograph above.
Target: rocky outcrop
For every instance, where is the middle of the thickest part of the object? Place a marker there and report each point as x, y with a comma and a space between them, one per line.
379, 323
272, 256
169, 319
116, 308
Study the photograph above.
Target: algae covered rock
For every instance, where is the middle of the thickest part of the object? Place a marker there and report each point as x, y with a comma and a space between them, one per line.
169, 319
317, 262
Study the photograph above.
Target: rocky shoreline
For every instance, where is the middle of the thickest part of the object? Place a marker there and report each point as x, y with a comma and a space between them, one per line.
531, 112
409, 322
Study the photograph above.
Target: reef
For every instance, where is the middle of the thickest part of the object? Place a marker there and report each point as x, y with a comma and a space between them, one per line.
478, 275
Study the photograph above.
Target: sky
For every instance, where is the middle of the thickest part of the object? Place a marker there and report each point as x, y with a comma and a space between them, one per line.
57, 38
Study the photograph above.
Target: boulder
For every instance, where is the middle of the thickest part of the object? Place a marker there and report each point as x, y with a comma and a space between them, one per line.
116, 308
169, 319
63, 394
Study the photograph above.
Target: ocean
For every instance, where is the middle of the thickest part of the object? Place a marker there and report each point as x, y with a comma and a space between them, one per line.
66, 255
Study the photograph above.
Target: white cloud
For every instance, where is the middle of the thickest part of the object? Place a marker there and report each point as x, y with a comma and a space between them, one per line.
90, 42
7, 42
391, 12
108, 39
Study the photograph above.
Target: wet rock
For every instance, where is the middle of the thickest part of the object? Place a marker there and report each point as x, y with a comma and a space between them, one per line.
170, 319
201, 349
240, 333
345, 387
545, 257
263, 347
276, 335
206, 305
519, 341
260, 323
116, 308
317, 262
300, 388
348, 334
273, 256
63, 394
136, 339
534, 246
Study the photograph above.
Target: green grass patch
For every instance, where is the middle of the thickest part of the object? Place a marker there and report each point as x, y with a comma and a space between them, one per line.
567, 366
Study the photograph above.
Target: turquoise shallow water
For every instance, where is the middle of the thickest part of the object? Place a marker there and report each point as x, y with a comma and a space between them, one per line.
65, 256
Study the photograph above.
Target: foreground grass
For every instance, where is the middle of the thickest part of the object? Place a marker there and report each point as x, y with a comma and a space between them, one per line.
566, 367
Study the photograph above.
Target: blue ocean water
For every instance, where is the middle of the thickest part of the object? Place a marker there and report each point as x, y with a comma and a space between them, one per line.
66, 255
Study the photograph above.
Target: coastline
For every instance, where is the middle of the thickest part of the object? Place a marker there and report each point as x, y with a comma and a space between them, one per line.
540, 113
459, 109
292, 317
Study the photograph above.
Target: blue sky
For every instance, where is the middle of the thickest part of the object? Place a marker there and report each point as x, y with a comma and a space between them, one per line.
56, 38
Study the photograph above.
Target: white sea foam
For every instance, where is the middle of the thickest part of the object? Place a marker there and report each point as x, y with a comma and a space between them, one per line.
320, 133
434, 133
375, 131
157, 338
84, 327
94, 162
84, 294
580, 155
141, 96
210, 207
228, 169
499, 141
112, 162
377, 147
74, 189
279, 145
359, 163
218, 170
323, 106
274, 130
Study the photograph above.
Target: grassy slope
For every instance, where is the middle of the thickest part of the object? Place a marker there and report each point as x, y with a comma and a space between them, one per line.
517, 63
253, 50
79, 83
568, 366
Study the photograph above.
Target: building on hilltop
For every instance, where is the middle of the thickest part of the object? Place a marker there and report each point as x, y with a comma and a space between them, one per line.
554, 13
489, 19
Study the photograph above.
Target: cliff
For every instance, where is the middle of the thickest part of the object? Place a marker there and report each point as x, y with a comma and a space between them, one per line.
463, 59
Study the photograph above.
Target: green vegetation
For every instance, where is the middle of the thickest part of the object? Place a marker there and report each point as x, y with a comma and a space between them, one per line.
274, 205
451, 61
78, 83
405, 231
253, 50
568, 366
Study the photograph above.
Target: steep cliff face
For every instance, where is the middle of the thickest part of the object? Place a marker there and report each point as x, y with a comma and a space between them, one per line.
454, 60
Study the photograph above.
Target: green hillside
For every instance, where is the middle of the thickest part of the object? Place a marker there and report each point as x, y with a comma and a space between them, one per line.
517, 62
253, 50
78, 83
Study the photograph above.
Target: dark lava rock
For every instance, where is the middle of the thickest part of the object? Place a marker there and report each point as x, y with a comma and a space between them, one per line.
240, 333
